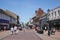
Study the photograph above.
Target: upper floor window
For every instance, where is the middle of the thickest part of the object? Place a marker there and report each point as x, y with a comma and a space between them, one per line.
55, 13
48, 15
52, 14
59, 12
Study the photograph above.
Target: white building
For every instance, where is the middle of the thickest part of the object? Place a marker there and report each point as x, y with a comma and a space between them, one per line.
54, 14
54, 18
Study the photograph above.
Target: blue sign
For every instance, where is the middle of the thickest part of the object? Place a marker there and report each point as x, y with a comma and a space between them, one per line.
4, 21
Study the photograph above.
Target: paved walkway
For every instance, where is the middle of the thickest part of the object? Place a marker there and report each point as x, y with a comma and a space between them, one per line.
46, 37
23, 35
4, 34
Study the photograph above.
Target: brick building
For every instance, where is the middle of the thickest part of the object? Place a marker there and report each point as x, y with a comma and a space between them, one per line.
38, 13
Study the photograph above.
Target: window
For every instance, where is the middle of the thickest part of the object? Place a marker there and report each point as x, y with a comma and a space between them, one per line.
59, 12
55, 13
52, 14
48, 14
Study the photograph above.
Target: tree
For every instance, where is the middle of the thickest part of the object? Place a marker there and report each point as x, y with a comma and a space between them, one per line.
27, 23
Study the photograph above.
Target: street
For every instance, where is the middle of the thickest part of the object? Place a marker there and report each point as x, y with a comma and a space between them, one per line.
23, 35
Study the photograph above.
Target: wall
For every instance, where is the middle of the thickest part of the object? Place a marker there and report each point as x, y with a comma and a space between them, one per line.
54, 16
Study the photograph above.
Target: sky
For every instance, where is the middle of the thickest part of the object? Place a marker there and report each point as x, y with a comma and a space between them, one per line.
26, 8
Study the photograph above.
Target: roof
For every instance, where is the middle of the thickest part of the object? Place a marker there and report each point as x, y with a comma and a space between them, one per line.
10, 14
34, 17
55, 8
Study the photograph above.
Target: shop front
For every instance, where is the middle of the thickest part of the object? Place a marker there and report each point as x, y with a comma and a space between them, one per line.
55, 24
4, 24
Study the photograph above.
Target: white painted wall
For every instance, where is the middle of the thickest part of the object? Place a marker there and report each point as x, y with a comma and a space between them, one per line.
53, 17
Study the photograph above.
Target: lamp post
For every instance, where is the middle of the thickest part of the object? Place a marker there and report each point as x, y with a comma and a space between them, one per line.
49, 29
49, 26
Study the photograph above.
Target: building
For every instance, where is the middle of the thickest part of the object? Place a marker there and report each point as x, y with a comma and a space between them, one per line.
38, 13
43, 21
54, 18
7, 19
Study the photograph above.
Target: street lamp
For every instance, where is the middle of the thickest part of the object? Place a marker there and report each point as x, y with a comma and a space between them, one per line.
49, 26
49, 29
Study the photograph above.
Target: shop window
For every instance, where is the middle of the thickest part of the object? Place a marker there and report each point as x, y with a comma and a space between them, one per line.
52, 14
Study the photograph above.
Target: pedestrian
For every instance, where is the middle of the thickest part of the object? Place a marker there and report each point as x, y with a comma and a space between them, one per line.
45, 28
12, 30
35, 27
4, 28
15, 29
